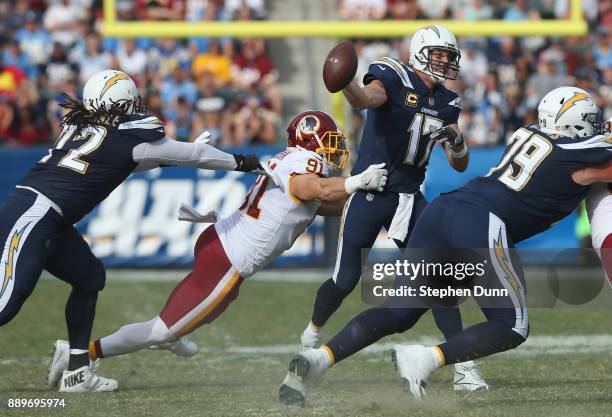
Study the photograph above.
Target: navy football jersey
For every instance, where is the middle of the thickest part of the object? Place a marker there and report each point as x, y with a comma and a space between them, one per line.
394, 132
532, 187
87, 165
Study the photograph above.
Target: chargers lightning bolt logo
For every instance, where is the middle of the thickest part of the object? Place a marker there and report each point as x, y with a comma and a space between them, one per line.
569, 103
112, 81
9, 268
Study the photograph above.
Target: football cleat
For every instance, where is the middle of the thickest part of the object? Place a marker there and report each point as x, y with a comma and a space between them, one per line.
60, 355
468, 378
84, 379
305, 369
414, 364
182, 347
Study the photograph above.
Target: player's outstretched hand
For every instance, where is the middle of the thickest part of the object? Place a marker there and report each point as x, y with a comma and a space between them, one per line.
204, 137
246, 163
251, 164
449, 134
372, 179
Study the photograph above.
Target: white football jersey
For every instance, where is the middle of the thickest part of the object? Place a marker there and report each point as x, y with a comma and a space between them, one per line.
270, 220
599, 209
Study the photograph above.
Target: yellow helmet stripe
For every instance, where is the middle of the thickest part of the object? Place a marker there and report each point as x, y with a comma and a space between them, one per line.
112, 81
569, 103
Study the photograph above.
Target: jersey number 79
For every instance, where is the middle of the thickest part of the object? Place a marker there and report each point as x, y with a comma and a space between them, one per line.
528, 150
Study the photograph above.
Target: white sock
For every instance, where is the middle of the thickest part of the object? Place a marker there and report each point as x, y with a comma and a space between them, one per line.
136, 336
312, 329
438, 357
321, 356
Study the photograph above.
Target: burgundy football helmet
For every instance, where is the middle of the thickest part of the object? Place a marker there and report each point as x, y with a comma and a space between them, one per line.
317, 131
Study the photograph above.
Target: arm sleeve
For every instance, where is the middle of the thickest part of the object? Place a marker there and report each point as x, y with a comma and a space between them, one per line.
455, 109
167, 151
594, 150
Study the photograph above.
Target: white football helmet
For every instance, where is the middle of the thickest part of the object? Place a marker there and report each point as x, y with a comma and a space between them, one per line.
429, 39
106, 89
569, 111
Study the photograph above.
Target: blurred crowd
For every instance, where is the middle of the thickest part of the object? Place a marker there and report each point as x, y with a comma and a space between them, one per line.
502, 79
50, 47
230, 86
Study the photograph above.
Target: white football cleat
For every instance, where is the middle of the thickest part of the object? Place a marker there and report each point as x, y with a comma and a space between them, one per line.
310, 340
60, 355
182, 347
468, 378
305, 369
84, 379
415, 364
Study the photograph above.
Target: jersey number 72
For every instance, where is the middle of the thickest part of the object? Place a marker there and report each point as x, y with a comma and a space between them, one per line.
92, 138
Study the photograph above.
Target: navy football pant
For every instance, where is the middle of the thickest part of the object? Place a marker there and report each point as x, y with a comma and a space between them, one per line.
450, 224
34, 237
364, 215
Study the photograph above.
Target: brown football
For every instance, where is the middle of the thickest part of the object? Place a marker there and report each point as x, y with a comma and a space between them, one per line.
340, 66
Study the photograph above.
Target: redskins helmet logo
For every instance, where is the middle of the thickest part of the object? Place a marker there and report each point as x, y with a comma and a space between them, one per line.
309, 125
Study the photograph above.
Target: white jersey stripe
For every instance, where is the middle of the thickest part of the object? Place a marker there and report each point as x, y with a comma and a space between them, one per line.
14, 243
500, 259
397, 67
600, 141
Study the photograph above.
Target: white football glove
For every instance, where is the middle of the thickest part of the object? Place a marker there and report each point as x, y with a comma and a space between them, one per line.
374, 178
187, 213
204, 137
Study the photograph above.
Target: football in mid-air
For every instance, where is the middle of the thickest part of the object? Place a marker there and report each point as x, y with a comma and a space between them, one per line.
340, 66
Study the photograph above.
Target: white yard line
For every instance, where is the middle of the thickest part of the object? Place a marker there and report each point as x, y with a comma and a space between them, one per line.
535, 346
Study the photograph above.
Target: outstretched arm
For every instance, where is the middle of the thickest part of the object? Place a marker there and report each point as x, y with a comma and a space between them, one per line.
169, 152
311, 187
591, 175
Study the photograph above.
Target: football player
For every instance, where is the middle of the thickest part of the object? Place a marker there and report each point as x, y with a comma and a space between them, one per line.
539, 180
105, 138
405, 104
599, 209
268, 222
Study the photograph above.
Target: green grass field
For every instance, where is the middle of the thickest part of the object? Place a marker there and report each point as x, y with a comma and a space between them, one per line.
565, 369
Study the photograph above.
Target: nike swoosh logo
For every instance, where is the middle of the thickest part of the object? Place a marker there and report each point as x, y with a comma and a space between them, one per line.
369, 181
381, 67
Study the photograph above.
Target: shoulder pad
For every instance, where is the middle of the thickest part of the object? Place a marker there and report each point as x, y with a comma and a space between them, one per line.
141, 121
388, 70
306, 162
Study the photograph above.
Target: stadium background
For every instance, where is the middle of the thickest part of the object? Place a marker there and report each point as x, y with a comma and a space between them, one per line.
244, 89
245, 95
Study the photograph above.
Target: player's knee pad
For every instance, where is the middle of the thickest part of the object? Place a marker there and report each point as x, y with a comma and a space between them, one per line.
515, 332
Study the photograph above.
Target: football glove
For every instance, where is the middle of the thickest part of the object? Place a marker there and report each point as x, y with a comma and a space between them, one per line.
447, 133
204, 137
248, 163
374, 178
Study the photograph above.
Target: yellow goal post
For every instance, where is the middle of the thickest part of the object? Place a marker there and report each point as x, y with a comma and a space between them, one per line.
575, 25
